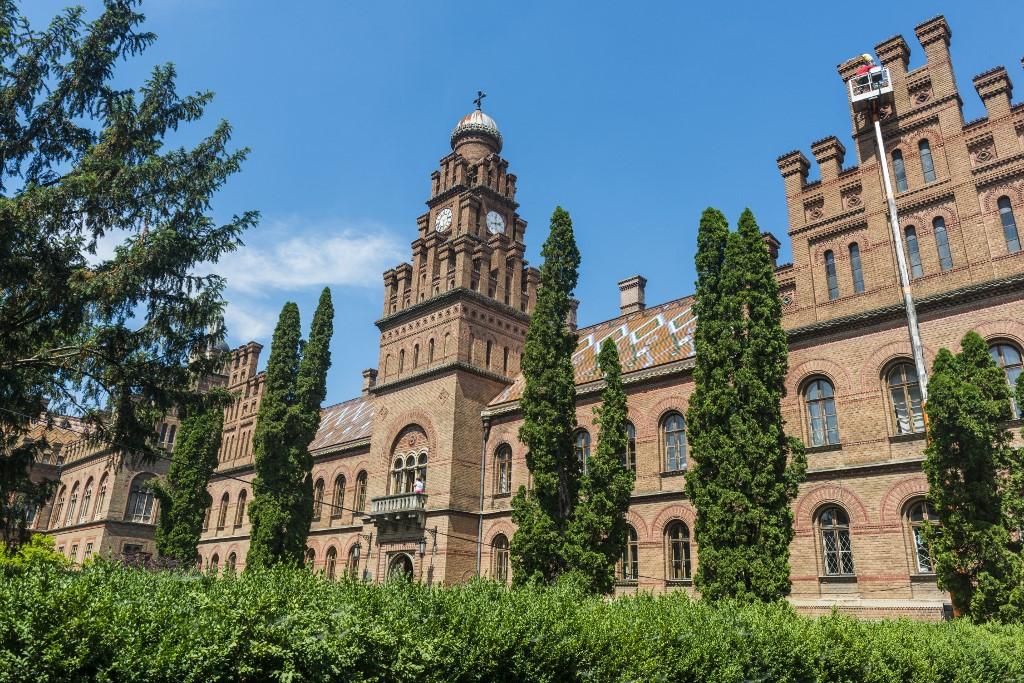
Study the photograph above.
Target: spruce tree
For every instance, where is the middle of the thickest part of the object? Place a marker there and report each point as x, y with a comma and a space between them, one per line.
278, 485
973, 476
104, 333
542, 514
183, 495
745, 469
598, 531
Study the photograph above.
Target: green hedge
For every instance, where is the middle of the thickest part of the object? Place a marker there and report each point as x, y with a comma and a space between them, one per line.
109, 623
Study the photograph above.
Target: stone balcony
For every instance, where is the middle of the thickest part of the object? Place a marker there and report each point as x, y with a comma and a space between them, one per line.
400, 509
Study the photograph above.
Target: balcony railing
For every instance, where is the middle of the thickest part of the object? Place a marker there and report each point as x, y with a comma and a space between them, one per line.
399, 506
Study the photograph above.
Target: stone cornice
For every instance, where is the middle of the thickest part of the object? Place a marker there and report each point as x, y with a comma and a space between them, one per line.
656, 372
446, 298
997, 170
838, 218
341, 447
444, 368
926, 304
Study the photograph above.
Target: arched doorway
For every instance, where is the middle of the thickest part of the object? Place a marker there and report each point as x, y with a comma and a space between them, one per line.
400, 567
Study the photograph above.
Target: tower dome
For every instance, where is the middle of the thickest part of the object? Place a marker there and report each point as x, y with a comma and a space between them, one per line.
477, 127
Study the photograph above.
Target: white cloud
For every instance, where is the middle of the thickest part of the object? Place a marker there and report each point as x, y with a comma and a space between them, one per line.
247, 321
289, 257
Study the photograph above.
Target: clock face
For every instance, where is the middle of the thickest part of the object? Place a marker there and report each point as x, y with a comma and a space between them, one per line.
495, 223
444, 220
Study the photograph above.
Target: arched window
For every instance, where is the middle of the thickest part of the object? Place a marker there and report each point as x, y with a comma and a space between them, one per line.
913, 252
673, 442
360, 502
819, 397
310, 559
919, 515
58, 507
899, 170
503, 469
837, 553
240, 508
415, 356
403, 474
229, 566
401, 361
581, 446
830, 275
400, 568
1009, 225
140, 500
331, 563
214, 563
447, 344
942, 243
338, 497
487, 355
409, 462
855, 268
1008, 358
83, 514
499, 551
905, 393
222, 514
629, 567
629, 457
927, 165
678, 537
504, 359
206, 516
430, 351
101, 497
72, 504
318, 498
352, 565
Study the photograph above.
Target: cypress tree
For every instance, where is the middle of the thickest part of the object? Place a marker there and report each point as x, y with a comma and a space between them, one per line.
278, 484
745, 469
598, 536
183, 496
549, 415
311, 388
973, 476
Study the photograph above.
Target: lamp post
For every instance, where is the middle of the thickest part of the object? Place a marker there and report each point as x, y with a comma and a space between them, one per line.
369, 550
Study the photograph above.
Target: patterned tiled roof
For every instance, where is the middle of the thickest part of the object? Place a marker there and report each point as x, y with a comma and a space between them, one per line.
654, 336
343, 422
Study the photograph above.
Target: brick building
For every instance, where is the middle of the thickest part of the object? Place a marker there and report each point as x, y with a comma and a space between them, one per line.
442, 407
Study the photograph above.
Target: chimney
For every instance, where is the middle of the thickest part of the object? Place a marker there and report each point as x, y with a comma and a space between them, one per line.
369, 380
631, 294
773, 247
570, 319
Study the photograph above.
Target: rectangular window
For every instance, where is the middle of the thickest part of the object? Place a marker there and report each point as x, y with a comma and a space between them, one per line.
74, 553
927, 165
942, 243
914, 252
830, 275
88, 552
1009, 225
855, 269
900, 170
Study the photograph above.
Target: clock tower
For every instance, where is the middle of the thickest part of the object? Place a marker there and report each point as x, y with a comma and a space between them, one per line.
451, 339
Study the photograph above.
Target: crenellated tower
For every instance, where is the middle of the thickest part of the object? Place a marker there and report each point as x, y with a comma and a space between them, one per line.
451, 339
469, 247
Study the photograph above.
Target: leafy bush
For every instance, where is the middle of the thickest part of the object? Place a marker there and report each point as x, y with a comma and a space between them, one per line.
113, 623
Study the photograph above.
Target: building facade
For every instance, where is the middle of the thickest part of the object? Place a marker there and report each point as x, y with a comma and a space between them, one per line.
441, 413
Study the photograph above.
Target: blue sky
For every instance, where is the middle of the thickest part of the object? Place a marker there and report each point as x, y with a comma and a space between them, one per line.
633, 116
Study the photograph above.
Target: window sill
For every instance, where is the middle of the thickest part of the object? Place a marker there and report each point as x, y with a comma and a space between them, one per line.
837, 578
678, 582
503, 495
673, 473
625, 583
823, 449
923, 578
907, 438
